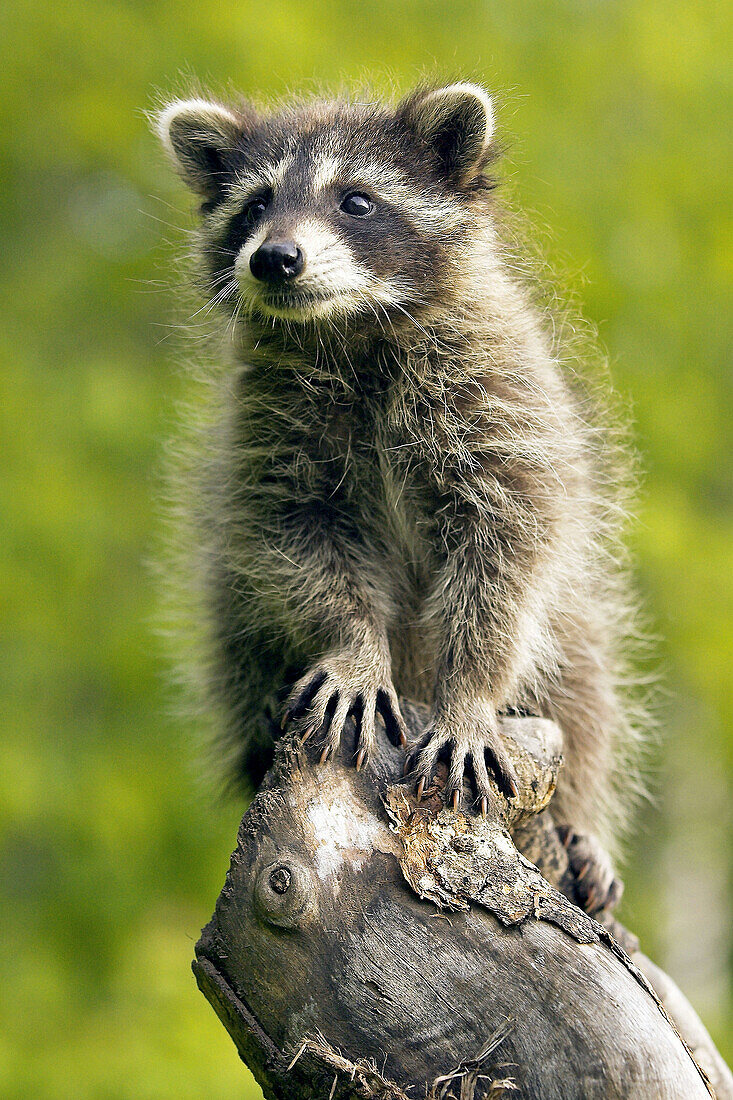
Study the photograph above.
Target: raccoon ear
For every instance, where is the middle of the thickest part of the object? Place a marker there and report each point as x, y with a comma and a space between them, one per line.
457, 122
201, 138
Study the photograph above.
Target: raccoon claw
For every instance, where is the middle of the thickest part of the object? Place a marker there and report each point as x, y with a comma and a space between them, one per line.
344, 686
466, 751
595, 885
307, 734
389, 708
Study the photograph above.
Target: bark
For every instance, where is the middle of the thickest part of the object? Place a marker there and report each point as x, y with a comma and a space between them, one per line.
365, 946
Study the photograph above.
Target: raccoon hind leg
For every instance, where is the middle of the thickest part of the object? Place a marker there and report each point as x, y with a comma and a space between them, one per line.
251, 679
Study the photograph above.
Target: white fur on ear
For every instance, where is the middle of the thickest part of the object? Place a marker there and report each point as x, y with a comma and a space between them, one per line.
197, 134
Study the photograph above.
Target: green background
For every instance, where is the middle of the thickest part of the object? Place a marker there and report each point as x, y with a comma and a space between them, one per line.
112, 849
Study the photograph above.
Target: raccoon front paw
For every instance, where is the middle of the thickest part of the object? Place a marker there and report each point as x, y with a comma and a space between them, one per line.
595, 885
339, 686
471, 748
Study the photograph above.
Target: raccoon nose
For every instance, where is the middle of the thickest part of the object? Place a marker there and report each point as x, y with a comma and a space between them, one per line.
274, 261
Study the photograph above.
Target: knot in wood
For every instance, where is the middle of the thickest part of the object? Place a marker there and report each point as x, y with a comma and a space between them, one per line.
280, 879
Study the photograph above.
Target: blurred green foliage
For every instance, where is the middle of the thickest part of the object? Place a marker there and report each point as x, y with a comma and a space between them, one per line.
111, 849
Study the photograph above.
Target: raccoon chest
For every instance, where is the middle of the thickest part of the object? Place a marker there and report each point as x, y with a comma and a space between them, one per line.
346, 446
409, 559
383, 499
407, 537
340, 428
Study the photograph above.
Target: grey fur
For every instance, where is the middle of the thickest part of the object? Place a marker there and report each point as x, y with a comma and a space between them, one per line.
401, 492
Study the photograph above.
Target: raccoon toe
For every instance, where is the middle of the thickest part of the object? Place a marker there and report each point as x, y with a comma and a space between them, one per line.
595, 886
340, 688
469, 759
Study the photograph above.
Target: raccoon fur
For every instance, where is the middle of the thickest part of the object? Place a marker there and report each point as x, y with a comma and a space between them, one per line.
405, 492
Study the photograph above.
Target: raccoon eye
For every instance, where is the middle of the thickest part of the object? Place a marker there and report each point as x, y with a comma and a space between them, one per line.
254, 210
357, 205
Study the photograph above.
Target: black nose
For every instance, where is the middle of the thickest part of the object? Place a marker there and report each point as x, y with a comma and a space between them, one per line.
275, 261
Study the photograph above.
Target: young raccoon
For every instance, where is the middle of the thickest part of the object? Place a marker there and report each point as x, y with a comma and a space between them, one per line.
403, 496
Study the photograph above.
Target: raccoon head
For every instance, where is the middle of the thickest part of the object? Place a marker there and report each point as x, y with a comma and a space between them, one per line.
332, 209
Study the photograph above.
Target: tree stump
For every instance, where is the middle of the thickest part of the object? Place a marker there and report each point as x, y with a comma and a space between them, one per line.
367, 946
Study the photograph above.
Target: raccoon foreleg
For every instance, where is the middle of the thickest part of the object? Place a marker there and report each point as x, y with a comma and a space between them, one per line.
328, 587
481, 602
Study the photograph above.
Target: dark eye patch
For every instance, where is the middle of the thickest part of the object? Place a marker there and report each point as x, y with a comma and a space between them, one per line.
388, 243
223, 251
241, 225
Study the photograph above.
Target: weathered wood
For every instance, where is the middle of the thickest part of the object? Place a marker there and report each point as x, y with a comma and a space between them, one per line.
334, 978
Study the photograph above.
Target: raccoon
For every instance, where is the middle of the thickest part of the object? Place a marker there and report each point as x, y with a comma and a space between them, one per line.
405, 494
